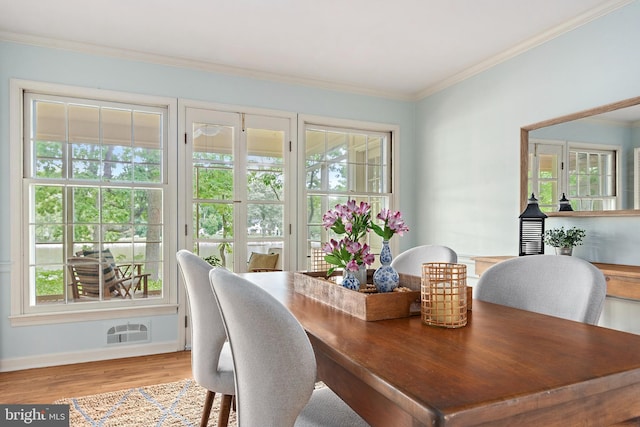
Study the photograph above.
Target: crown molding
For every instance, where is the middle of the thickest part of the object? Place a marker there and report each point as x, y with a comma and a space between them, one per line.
520, 48
206, 66
192, 64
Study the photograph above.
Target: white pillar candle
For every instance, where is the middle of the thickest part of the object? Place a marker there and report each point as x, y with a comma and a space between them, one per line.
445, 304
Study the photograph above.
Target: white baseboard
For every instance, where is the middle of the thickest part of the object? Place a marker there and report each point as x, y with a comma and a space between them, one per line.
114, 352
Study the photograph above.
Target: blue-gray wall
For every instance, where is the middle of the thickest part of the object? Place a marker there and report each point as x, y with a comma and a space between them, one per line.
468, 146
78, 69
468, 139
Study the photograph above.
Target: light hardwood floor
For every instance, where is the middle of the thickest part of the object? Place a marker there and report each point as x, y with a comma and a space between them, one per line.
45, 385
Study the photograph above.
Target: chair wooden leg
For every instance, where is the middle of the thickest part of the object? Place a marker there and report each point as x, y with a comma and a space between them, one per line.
208, 403
225, 408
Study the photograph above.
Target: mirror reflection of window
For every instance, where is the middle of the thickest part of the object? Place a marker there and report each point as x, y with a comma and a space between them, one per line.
587, 174
592, 180
546, 160
612, 127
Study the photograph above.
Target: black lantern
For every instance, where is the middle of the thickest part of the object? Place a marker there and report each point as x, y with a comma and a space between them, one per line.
532, 229
564, 204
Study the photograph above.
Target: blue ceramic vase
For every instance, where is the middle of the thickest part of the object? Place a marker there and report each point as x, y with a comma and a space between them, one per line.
349, 281
386, 278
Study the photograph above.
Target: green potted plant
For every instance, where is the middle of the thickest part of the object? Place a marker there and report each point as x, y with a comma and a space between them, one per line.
564, 240
214, 261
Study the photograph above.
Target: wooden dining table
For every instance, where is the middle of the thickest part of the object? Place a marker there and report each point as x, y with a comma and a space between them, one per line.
506, 367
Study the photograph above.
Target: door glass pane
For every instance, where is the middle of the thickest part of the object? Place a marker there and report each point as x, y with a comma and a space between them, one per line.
267, 220
265, 183
213, 180
239, 180
213, 220
264, 146
212, 142
265, 191
215, 253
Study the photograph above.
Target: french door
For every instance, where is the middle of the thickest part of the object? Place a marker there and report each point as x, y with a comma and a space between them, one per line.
238, 184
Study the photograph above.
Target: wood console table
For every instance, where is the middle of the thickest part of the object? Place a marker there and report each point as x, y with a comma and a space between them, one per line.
623, 281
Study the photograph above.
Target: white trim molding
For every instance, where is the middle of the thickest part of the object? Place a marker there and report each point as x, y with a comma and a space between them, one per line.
119, 352
196, 65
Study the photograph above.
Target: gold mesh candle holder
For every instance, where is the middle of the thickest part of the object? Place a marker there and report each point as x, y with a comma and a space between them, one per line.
444, 294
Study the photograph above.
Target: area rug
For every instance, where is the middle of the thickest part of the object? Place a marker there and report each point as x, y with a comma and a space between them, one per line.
173, 404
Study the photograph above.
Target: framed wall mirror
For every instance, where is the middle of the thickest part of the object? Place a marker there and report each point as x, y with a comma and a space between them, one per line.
592, 157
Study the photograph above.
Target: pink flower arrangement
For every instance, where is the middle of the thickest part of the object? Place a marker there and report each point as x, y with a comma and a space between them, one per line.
351, 219
354, 221
347, 254
393, 223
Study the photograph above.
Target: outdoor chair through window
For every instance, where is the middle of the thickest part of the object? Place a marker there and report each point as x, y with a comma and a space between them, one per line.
122, 271
89, 276
263, 262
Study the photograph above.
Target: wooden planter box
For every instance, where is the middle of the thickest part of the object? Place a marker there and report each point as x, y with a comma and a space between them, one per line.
365, 306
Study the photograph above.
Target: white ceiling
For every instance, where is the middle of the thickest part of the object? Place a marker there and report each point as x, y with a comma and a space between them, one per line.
399, 48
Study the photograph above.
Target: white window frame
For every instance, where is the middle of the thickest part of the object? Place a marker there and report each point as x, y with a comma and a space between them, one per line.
595, 148
21, 315
567, 147
342, 124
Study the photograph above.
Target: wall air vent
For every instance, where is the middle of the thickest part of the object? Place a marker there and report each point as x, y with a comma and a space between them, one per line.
128, 333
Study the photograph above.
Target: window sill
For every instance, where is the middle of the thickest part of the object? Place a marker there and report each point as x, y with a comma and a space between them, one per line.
84, 316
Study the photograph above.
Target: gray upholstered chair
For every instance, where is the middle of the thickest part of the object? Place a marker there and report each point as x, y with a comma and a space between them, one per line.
211, 362
557, 285
411, 260
275, 366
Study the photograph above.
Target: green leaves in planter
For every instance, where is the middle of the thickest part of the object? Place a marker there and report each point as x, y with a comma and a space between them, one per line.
561, 238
